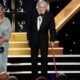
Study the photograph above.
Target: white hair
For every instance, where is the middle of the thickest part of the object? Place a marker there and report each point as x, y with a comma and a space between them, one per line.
42, 1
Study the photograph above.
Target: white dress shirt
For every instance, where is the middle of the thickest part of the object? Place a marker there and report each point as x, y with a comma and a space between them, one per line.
39, 22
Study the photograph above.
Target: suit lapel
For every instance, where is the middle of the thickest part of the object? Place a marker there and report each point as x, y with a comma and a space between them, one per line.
44, 21
35, 20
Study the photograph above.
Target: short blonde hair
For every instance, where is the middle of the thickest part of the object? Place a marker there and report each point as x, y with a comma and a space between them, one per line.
1, 6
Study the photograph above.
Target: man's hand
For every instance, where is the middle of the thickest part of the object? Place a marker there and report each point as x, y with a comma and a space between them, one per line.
51, 44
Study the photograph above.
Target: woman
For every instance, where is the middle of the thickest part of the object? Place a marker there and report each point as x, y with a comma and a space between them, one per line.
5, 32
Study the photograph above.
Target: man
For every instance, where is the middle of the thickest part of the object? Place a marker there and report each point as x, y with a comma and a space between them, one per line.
13, 78
62, 76
40, 21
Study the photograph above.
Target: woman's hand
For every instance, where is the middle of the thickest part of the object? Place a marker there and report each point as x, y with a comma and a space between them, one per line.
1, 40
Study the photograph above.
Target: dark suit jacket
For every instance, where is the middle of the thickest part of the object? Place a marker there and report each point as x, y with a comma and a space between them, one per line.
40, 37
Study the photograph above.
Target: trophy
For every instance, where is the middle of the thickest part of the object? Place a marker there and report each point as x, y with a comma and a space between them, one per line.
5, 5
21, 25
20, 9
3, 34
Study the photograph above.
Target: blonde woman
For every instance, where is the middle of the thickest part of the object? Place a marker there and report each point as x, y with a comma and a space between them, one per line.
5, 32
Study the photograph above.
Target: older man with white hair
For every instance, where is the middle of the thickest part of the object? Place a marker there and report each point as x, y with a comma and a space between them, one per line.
40, 21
